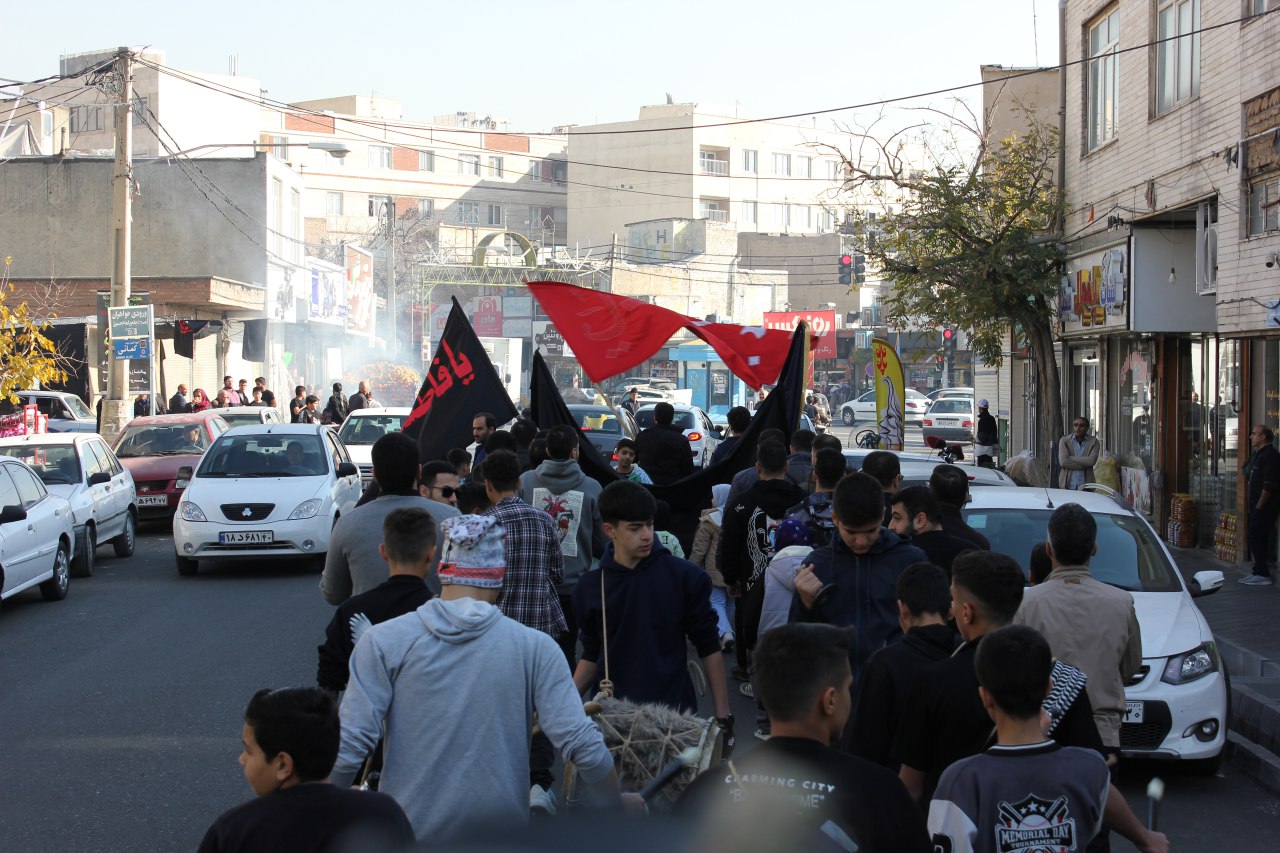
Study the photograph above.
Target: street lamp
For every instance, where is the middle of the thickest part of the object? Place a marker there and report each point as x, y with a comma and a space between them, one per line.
336, 150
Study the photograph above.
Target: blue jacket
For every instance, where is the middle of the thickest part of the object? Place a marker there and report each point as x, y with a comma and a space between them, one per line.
654, 611
865, 597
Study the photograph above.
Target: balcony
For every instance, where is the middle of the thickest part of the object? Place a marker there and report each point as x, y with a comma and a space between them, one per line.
712, 166
714, 214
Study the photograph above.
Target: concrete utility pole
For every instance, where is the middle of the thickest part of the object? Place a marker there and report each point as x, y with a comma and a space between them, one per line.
116, 410
391, 277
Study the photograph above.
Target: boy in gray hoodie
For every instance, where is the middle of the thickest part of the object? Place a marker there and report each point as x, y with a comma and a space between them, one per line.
479, 678
559, 488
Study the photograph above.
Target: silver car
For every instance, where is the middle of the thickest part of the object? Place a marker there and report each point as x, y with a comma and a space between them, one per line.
36, 538
702, 434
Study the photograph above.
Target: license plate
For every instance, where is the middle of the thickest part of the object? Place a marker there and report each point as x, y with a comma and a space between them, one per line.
1133, 712
246, 537
153, 500
946, 422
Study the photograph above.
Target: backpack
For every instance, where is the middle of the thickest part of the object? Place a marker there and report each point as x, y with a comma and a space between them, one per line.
816, 517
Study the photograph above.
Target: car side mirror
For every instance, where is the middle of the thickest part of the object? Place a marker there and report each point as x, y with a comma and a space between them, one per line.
99, 478
13, 513
348, 469
1205, 583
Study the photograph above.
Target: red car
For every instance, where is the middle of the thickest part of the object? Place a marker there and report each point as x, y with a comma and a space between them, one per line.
154, 448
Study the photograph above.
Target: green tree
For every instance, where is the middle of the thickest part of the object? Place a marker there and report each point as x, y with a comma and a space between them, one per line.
968, 242
27, 355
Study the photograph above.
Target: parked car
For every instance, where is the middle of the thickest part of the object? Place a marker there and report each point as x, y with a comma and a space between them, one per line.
36, 535
939, 393
951, 419
618, 386
646, 395
917, 468
83, 471
240, 415
66, 411
703, 436
365, 426
1176, 706
863, 408
153, 448
265, 492
721, 422
602, 428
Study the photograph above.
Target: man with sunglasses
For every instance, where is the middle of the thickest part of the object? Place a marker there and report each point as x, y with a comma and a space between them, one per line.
1077, 454
439, 482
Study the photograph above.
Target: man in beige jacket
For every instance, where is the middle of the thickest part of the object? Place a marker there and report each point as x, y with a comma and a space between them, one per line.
1089, 624
1077, 454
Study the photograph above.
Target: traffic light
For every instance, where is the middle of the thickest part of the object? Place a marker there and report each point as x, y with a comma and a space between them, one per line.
859, 269
846, 269
940, 364
949, 341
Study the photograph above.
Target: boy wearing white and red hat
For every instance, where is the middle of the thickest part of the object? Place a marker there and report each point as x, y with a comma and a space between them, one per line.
448, 684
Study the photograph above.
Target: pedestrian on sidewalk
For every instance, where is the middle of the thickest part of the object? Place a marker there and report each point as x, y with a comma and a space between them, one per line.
1263, 473
335, 411
1077, 454
917, 517
987, 437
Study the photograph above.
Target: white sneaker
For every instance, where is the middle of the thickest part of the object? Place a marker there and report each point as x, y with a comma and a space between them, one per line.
1256, 580
542, 800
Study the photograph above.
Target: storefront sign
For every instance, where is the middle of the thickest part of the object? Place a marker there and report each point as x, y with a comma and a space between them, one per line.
1093, 294
486, 316
822, 325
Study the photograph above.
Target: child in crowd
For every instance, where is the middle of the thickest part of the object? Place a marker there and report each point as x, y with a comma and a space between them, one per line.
460, 459
473, 499
626, 465
290, 741
706, 542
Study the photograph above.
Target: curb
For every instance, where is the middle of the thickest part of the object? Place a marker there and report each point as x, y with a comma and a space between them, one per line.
1253, 730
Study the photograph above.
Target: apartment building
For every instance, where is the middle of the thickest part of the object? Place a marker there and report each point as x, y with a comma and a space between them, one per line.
1171, 339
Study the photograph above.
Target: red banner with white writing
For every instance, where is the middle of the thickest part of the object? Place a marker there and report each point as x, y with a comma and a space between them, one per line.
822, 328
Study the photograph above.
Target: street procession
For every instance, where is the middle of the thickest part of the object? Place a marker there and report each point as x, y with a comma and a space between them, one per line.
878, 462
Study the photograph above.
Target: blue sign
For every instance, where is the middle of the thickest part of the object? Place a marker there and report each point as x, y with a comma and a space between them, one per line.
132, 349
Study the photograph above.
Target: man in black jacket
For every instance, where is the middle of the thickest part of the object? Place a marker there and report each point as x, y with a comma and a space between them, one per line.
987, 438
739, 419
335, 411
1264, 502
662, 449
950, 485
887, 470
917, 517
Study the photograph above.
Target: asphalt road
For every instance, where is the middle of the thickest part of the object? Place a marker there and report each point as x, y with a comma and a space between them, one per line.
121, 706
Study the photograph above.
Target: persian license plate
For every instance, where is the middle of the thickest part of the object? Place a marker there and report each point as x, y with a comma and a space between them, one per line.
947, 422
153, 500
1133, 712
246, 537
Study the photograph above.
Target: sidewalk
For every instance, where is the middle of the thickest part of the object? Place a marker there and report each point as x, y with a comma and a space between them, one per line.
1246, 623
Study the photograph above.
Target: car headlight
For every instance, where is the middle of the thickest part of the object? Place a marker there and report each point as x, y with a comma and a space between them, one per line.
306, 509
191, 512
1196, 663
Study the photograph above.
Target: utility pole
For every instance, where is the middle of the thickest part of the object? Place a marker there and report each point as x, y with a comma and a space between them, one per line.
116, 410
391, 277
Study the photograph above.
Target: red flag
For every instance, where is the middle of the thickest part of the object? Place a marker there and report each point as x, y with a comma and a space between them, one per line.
753, 353
609, 334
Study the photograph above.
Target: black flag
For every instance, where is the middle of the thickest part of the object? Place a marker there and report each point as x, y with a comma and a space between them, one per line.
187, 332
254, 346
460, 382
547, 409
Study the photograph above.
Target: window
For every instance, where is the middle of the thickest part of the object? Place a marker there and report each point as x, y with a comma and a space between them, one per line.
333, 204
293, 225
1261, 7
469, 164
467, 213
279, 146
426, 161
275, 215
798, 216
777, 214
1178, 58
749, 211
495, 167
782, 164
426, 207
85, 119
804, 167
8, 491
1264, 205
495, 214
833, 170
379, 157
826, 221
750, 161
1102, 80
30, 489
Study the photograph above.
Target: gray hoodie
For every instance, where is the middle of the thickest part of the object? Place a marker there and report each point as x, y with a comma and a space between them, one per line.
571, 498
457, 684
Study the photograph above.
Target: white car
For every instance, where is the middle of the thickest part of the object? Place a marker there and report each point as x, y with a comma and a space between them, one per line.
82, 470
863, 408
365, 426
36, 538
917, 468
697, 427
265, 492
1176, 706
955, 391
240, 415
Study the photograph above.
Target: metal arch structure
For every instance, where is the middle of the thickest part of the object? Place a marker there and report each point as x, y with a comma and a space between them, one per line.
529, 253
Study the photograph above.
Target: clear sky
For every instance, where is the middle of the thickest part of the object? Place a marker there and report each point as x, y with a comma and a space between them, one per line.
540, 64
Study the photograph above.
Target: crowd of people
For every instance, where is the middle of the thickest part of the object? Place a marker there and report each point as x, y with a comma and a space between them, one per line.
912, 692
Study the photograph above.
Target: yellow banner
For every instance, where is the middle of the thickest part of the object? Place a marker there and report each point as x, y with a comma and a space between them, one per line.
890, 395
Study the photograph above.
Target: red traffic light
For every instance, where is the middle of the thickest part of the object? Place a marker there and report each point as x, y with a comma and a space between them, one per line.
946, 334
846, 259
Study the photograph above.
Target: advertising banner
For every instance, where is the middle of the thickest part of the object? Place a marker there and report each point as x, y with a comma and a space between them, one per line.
890, 394
486, 316
822, 328
359, 276
1094, 292
327, 295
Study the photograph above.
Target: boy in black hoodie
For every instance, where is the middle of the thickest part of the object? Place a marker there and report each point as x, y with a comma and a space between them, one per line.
746, 539
859, 571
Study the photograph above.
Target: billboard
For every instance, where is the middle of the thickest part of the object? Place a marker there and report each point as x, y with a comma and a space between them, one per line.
822, 327
359, 278
326, 293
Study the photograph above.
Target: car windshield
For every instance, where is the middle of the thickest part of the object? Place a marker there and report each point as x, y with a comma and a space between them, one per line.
161, 440
682, 420
597, 421
1128, 557
369, 428
265, 456
241, 418
951, 406
55, 465
78, 408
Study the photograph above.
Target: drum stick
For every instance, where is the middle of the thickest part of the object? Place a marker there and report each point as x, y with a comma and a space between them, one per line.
1155, 793
685, 759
